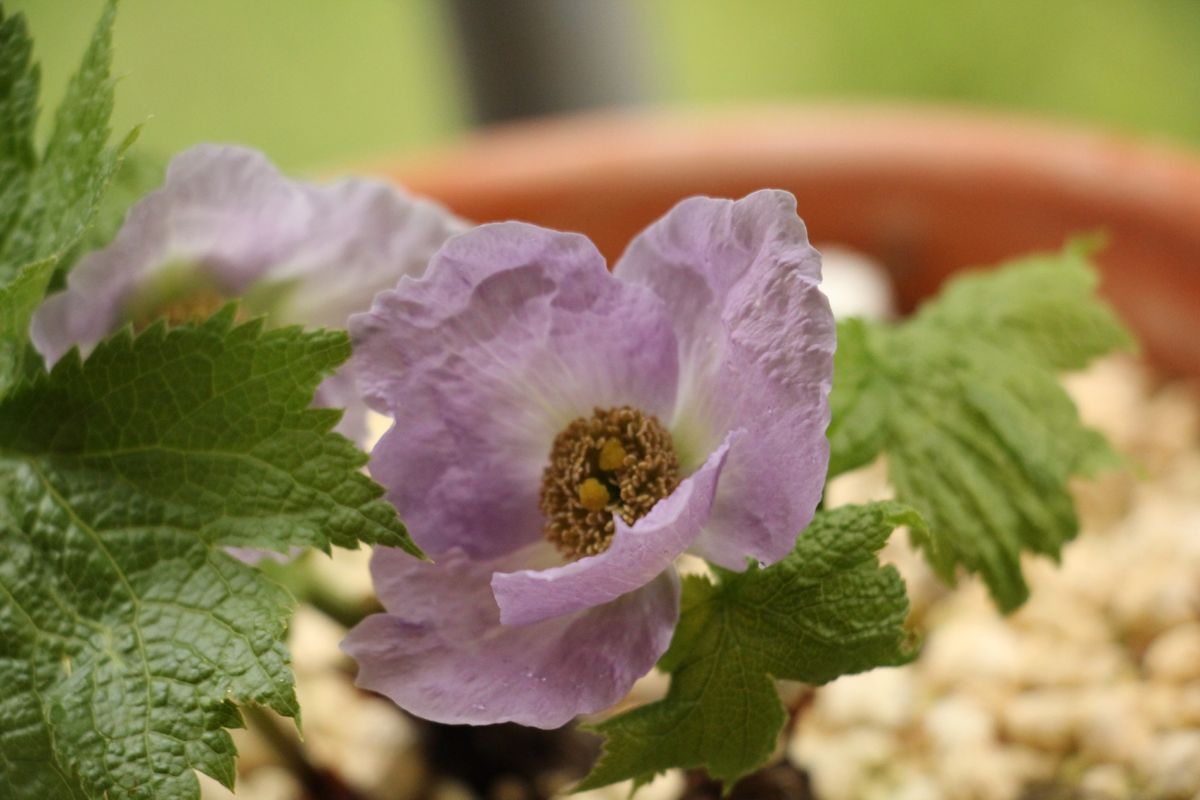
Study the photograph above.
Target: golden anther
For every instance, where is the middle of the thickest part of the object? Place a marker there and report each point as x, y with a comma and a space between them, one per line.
612, 456
593, 495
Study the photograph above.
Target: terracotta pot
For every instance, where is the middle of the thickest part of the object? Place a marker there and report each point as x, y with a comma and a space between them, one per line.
927, 192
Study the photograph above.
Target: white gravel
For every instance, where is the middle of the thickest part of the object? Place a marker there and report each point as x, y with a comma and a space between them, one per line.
1094, 684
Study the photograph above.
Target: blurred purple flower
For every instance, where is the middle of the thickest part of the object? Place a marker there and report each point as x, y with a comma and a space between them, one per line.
227, 224
562, 434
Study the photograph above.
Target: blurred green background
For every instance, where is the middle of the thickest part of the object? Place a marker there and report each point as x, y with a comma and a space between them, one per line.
317, 83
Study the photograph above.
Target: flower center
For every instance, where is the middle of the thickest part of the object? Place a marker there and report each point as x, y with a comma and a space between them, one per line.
617, 461
196, 306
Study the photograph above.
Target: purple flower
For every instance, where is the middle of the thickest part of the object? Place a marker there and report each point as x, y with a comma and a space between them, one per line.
562, 434
227, 224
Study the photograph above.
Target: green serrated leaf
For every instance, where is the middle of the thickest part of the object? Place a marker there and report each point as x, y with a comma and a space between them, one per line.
18, 299
46, 205
67, 184
859, 405
964, 401
828, 609
1042, 305
126, 632
19, 80
137, 174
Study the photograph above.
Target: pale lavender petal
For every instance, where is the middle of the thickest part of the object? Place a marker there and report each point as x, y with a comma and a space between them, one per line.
304, 254
636, 556
63, 321
339, 390
253, 556
514, 332
224, 209
230, 209
756, 336
441, 653
775, 475
365, 236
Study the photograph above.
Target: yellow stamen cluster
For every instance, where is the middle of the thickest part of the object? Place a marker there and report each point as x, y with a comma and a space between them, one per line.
618, 461
194, 307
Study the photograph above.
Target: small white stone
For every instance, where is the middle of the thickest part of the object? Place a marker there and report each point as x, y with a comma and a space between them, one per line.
1105, 782
1111, 395
855, 284
359, 735
345, 572
881, 697
992, 696
902, 782
264, 783
1031, 765
1091, 567
313, 641
614, 791
1183, 481
1189, 705
956, 722
862, 485
1111, 725
1164, 705
1048, 660
923, 586
1153, 598
841, 763
328, 701
978, 773
969, 646
253, 752
1175, 655
1103, 499
688, 565
1062, 615
649, 688
1173, 428
666, 786
1172, 765
212, 790
835, 768
379, 750
870, 747
969, 601
1042, 718
377, 426
269, 783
